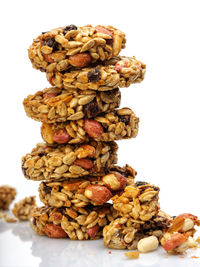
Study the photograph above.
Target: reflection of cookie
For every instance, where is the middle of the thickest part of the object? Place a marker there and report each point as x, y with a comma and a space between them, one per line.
71, 46
87, 190
120, 124
76, 223
116, 72
58, 105
69, 161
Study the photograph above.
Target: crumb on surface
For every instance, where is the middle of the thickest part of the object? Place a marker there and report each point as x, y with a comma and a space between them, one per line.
132, 254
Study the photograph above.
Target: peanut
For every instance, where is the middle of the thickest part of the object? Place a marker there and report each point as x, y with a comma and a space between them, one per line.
188, 225
121, 64
80, 60
103, 30
61, 136
99, 194
93, 128
115, 181
89, 151
93, 231
84, 163
48, 58
48, 95
148, 244
54, 231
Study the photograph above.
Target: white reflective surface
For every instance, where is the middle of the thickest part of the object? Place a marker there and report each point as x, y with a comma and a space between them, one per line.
20, 246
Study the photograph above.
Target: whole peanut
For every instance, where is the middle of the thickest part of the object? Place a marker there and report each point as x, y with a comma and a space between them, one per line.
148, 244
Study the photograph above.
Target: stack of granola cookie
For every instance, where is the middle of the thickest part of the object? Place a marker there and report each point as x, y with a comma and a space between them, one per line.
80, 124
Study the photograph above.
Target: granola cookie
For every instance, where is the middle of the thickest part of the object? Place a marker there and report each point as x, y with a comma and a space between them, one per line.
116, 125
87, 190
58, 105
76, 223
22, 209
71, 46
116, 72
139, 201
7, 195
69, 161
125, 233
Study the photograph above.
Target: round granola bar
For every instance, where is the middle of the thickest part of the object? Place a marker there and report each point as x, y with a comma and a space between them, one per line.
69, 161
71, 46
116, 125
7, 195
58, 105
116, 72
87, 190
125, 233
139, 201
76, 223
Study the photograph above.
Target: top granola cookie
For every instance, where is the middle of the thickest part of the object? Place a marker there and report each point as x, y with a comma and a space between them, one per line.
69, 46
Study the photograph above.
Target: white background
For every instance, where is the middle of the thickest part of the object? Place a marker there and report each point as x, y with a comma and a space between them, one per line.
165, 36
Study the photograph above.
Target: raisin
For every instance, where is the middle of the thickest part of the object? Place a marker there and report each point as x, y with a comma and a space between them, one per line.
41, 154
91, 109
124, 118
44, 32
62, 210
69, 28
94, 75
34, 221
47, 189
51, 43
139, 183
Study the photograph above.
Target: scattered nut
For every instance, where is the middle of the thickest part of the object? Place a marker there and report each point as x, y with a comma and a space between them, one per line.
148, 244
188, 225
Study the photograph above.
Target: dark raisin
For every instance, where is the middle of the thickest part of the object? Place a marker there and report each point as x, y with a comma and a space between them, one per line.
24, 171
124, 118
91, 109
44, 32
109, 41
51, 43
94, 75
41, 154
62, 210
34, 221
69, 28
47, 189
139, 183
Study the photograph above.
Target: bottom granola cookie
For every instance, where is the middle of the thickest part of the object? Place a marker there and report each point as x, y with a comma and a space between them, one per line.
76, 224
125, 233
7, 195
